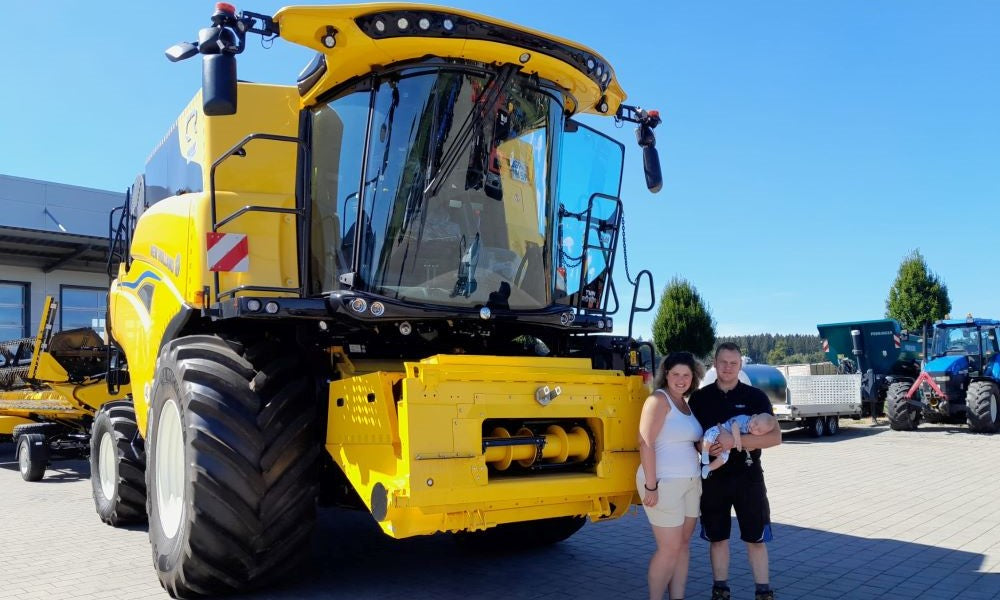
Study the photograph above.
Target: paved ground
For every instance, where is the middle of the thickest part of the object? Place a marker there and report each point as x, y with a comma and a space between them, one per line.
870, 513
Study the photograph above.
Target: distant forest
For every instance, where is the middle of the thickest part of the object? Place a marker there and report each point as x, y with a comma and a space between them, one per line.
778, 349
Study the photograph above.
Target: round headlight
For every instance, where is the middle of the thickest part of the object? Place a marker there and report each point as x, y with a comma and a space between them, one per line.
359, 305
402, 23
405, 328
253, 304
378, 309
448, 24
271, 308
424, 23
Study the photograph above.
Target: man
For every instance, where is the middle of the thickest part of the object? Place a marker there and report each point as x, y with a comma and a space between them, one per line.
739, 483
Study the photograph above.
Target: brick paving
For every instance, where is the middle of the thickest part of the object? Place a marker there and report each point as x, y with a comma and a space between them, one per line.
869, 513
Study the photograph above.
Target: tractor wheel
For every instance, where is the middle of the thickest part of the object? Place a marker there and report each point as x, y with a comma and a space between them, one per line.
231, 476
816, 426
982, 414
902, 416
32, 456
526, 534
117, 472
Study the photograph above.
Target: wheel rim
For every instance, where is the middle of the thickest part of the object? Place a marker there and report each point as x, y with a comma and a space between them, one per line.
832, 425
818, 426
169, 468
22, 459
993, 408
106, 463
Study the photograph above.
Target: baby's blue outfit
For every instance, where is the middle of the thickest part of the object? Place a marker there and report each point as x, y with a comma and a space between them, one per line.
741, 422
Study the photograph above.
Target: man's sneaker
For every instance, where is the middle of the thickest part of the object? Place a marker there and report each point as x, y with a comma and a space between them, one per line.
768, 595
705, 472
719, 593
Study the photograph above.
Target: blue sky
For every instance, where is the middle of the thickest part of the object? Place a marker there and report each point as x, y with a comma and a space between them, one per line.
807, 147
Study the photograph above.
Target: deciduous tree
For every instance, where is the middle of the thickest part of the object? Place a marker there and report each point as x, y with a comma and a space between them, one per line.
917, 296
683, 321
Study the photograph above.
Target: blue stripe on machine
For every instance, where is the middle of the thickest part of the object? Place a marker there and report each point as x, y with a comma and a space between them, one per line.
145, 275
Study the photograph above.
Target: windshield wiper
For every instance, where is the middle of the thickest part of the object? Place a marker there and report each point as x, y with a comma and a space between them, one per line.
472, 122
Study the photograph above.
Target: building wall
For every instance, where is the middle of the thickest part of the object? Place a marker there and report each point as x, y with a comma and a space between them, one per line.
80, 211
48, 284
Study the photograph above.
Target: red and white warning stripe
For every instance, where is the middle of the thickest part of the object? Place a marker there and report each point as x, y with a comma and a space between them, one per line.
895, 339
826, 346
228, 252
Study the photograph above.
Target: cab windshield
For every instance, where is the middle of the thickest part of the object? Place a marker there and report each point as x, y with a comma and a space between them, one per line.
957, 340
455, 193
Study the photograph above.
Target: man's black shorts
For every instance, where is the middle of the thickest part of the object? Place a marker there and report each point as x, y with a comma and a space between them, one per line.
748, 495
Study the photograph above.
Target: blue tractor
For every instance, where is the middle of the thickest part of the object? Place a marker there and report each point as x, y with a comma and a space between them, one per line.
960, 379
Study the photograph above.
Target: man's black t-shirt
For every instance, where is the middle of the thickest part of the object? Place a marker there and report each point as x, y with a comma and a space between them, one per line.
712, 406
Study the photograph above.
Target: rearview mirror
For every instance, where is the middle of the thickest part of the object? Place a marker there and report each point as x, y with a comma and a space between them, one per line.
651, 165
218, 84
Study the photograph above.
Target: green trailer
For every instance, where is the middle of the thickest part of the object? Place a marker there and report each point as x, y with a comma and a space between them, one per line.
880, 350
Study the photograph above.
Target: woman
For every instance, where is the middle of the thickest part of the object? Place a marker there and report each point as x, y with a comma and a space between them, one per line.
668, 479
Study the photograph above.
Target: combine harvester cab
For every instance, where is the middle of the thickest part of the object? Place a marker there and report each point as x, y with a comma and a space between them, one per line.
51, 388
959, 380
389, 287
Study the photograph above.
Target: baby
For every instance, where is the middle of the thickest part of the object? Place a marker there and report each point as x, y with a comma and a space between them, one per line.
758, 424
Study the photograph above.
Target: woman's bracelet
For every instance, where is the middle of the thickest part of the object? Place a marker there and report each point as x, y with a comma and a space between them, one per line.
652, 489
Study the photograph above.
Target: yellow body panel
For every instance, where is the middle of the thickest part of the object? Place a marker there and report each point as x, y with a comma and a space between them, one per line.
355, 54
170, 270
425, 448
7, 424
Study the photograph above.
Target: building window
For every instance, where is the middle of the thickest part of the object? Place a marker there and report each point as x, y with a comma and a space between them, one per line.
13, 310
83, 307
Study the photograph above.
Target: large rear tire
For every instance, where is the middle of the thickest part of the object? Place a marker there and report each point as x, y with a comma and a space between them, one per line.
902, 416
231, 457
117, 469
982, 400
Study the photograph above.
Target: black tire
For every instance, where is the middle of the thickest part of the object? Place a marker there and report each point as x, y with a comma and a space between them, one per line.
120, 494
902, 416
243, 424
983, 413
527, 534
816, 426
32, 456
832, 425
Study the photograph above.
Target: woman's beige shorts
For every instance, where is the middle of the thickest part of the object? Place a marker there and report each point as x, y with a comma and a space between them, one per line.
678, 498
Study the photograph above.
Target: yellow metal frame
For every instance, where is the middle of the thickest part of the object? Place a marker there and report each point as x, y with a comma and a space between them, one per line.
417, 459
50, 394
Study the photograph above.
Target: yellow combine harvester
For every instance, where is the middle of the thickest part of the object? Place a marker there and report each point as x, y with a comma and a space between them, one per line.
51, 388
388, 287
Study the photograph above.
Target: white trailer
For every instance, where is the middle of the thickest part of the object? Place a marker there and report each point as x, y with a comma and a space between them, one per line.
817, 402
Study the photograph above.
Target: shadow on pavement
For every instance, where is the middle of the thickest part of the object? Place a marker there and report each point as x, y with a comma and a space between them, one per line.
849, 429
60, 470
353, 559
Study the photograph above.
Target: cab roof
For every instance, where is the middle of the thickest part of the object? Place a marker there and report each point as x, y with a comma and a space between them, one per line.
371, 36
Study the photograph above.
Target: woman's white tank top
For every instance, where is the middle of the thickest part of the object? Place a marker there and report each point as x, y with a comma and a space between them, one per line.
674, 446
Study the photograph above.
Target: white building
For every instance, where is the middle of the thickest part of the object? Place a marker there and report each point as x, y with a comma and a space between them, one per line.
53, 242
